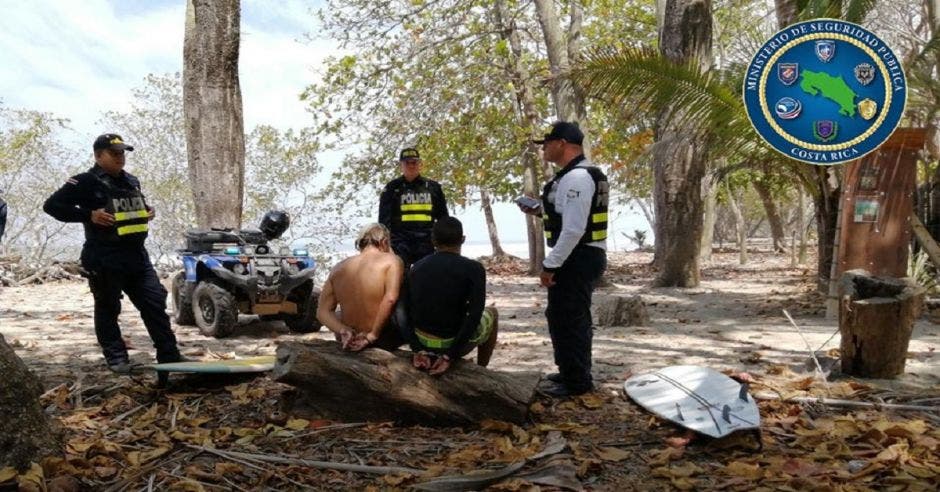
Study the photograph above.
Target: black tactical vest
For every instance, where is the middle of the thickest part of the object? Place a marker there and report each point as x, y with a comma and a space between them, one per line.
596, 228
415, 207
129, 208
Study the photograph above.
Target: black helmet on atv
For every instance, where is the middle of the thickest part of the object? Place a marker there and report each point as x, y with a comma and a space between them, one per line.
274, 223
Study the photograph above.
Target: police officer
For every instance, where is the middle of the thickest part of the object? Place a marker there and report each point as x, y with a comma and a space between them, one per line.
574, 214
108, 202
3, 217
409, 206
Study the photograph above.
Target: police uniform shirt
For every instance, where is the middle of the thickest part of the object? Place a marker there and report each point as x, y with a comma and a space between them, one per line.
572, 196
392, 205
88, 191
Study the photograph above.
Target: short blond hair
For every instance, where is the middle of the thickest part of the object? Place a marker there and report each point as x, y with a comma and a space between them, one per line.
372, 235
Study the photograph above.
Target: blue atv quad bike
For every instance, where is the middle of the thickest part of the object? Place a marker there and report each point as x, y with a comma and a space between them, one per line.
229, 272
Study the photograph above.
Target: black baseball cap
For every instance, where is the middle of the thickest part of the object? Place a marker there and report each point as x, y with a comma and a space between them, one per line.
408, 154
563, 130
111, 141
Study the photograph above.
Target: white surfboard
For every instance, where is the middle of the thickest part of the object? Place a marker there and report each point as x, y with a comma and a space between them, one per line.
697, 398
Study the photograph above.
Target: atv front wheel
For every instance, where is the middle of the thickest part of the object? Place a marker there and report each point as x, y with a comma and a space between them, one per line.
215, 310
306, 321
182, 301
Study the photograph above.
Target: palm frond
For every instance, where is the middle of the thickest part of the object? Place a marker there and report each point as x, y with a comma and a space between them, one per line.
850, 10
857, 10
678, 94
931, 49
821, 8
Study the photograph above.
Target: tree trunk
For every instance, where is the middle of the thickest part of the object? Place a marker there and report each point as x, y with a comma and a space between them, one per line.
487, 206
212, 107
557, 50
739, 225
25, 431
527, 115
773, 216
932, 200
710, 198
801, 224
787, 12
567, 97
648, 212
876, 318
679, 160
826, 214
375, 386
825, 194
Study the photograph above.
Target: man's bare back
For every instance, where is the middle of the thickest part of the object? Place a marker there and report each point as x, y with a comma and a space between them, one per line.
359, 284
365, 288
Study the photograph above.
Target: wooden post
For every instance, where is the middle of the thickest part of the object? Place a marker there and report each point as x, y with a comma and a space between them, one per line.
876, 318
873, 230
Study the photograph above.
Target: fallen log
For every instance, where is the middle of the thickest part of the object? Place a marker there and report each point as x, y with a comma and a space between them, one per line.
375, 385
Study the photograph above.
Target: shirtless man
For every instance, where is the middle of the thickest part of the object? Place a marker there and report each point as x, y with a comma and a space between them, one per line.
365, 288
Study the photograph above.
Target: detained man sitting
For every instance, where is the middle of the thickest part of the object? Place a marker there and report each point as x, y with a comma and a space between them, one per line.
445, 298
364, 288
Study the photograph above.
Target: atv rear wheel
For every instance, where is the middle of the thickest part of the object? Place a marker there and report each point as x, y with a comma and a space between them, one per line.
306, 321
182, 301
215, 310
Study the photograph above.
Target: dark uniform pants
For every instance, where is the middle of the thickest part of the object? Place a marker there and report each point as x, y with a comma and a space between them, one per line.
413, 248
569, 314
149, 297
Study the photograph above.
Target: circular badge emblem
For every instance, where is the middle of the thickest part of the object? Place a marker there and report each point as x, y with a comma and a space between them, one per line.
825, 91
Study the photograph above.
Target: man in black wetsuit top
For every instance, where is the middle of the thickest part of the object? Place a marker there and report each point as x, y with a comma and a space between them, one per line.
444, 298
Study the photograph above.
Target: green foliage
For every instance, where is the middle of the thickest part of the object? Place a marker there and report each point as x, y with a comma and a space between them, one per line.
280, 168
154, 125
33, 164
430, 75
437, 75
922, 271
705, 102
701, 101
851, 10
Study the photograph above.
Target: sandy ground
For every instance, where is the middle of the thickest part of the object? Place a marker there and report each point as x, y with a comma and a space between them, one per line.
732, 321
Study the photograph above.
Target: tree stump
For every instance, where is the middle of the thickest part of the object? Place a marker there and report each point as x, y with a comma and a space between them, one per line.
376, 385
876, 318
25, 431
621, 311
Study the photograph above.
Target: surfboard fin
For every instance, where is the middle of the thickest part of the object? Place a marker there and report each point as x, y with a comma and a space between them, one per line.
743, 393
726, 414
679, 412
